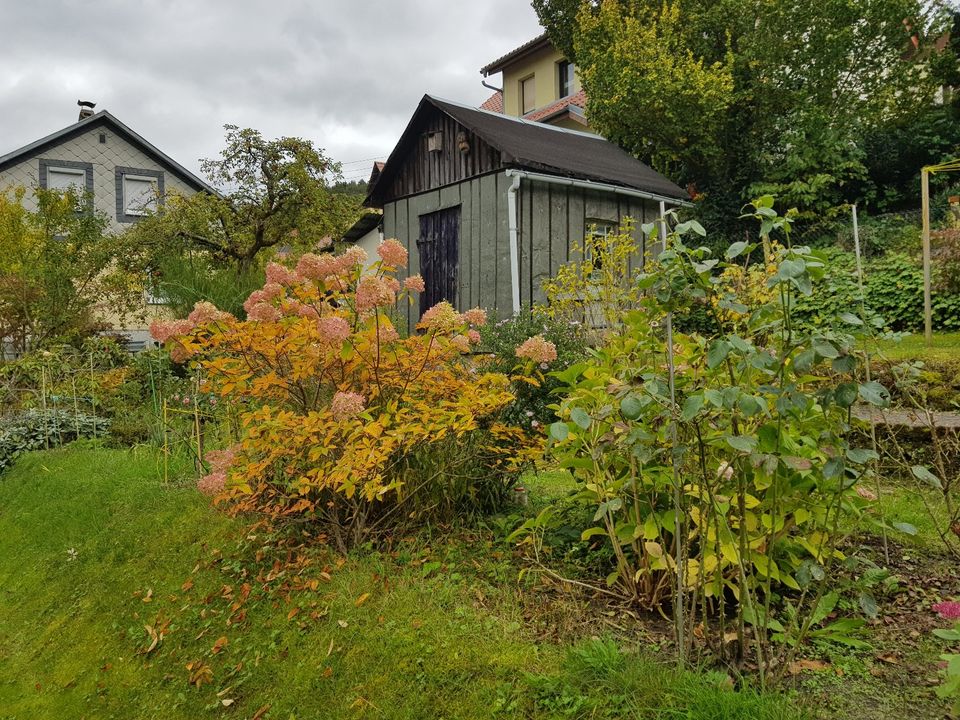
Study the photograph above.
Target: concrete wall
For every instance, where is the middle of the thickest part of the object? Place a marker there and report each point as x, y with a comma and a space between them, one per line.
551, 221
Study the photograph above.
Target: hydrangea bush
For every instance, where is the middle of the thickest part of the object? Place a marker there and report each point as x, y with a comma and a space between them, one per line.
343, 420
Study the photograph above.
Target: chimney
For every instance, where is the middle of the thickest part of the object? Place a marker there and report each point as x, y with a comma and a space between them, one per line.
86, 108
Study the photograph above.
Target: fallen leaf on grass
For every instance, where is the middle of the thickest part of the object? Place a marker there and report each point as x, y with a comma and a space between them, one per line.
342, 623
889, 658
327, 671
798, 666
149, 596
220, 644
362, 599
187, 585
261, 712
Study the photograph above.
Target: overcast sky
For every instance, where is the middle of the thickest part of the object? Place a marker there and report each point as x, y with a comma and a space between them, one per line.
345, 74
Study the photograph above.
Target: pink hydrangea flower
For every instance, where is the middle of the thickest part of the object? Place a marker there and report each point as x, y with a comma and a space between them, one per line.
281, 275
393, 253
373, 292
948, 609
392, 283
537, 349
473, 336
387, 333
213, 483
355, 255
461, 343
206, 312
415, 283
271, 291
476, 317
440, 318
163, 330
315, 267
346, 405
333, 330
262, 312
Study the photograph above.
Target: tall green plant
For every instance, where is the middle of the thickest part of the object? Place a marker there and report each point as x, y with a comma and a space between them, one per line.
721, 470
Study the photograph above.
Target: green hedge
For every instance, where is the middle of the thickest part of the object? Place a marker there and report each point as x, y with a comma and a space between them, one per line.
893, 285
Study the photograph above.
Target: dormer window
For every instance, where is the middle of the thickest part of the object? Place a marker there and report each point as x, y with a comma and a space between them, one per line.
528, 95
565, 71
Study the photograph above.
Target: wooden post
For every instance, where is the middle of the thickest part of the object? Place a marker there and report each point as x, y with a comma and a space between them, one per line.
927, 304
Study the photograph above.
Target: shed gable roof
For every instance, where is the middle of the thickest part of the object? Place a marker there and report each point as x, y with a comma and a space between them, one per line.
534, 146
104, 118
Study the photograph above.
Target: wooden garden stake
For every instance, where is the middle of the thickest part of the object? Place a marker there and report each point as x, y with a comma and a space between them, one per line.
927, 304
873, 426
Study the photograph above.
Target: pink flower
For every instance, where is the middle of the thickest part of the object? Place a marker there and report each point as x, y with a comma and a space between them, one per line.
440, 318
213, 483
333, 330
414, 283
948, 609
161, 330
324, 243
206, 312
387, 333
315, 267
391, 282
473, 336
280, 275
355, 255
537, 349
271, 291
393, 253
461, 343
476, 317
346, 405
373, 292
256, 297
262, 312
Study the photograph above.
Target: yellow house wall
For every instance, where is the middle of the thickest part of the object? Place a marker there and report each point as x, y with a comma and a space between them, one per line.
543, 66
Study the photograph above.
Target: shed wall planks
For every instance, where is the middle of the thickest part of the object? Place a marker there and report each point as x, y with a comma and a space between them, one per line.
552, 219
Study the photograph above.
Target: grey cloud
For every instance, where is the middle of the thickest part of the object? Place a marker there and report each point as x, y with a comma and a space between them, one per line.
344, 74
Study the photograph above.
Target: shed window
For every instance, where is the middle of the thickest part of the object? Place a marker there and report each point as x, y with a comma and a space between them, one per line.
598, 242
565, 78
528, 95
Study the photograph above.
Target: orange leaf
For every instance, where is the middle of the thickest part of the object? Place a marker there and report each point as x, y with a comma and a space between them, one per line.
293, 613
220, 644
362, 599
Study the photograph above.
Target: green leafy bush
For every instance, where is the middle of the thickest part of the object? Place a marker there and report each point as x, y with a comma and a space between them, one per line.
893, 290
503, 337
38, 429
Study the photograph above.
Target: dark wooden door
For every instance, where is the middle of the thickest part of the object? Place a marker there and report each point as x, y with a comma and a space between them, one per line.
439, 246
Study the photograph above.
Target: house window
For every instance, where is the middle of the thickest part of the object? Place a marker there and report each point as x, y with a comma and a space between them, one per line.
67, 175
565, 78
138, 193
528, 95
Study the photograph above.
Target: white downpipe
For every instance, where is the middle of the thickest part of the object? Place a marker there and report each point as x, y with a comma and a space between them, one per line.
514, 243
663, 226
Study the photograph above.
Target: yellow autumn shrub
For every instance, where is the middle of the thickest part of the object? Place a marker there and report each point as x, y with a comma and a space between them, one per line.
345, 421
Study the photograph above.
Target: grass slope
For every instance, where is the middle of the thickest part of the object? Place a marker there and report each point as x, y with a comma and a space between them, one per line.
93, 549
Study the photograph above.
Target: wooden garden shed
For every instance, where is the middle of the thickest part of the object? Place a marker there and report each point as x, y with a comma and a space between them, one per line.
489, 206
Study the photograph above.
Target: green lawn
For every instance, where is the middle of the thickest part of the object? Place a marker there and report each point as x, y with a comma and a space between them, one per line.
98, 559
944, 346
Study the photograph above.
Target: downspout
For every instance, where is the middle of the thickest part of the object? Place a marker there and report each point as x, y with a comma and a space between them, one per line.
514, 245
663, 226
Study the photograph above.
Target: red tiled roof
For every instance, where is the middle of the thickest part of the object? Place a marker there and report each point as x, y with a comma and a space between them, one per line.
579, 99
494, 103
